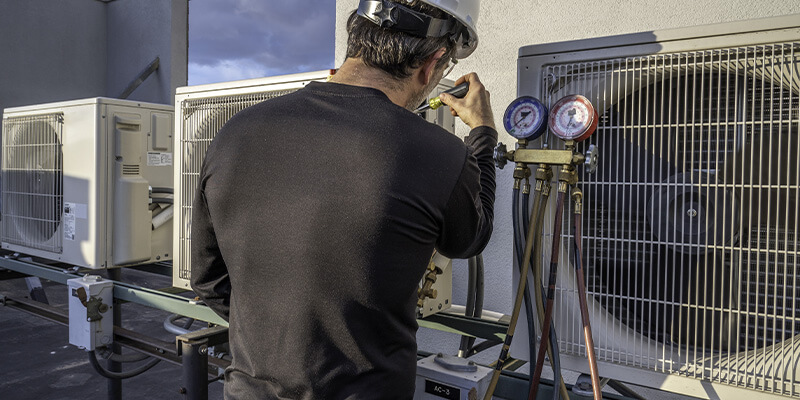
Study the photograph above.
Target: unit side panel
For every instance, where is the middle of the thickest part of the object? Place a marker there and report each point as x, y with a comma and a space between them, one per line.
139, 159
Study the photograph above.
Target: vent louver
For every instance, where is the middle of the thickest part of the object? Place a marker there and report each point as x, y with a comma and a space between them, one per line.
202, 119
691, 221
33, 181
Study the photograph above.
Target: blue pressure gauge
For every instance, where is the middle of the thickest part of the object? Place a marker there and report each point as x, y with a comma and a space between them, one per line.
525, 118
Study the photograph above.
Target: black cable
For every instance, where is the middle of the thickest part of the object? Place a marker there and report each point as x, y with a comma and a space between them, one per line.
107, 354
120, 375
163, 190
162, 200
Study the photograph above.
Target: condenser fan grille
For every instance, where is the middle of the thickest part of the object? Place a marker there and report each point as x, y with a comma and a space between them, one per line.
691, 220
202, 119
32, 183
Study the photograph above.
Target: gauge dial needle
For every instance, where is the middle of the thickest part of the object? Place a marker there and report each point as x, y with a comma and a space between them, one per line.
571, 114
524, 115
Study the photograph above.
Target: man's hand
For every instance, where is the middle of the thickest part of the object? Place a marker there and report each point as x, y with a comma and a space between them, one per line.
474, 109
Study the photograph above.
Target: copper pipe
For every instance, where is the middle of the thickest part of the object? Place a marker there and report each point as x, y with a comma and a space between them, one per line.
587, 328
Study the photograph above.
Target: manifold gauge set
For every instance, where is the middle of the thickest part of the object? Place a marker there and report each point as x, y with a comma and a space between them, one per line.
571, 118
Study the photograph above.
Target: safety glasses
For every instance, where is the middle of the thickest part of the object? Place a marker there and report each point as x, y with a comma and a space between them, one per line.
450, 65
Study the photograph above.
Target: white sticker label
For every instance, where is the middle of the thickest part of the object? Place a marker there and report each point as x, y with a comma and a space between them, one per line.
72, 211
76, 210
69, 227
155, 159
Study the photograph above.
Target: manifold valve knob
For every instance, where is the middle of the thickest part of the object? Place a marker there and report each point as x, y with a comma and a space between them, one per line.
500, 158
591, 159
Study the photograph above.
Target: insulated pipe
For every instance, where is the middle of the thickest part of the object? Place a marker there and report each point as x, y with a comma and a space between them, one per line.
551, 288
488, 315
169, 325
587, 328
162, 217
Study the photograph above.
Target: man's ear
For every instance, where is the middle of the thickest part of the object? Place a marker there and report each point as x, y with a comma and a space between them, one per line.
428, 68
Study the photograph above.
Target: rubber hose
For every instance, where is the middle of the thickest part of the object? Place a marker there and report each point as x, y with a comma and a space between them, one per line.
554, 258
120, 375
624, 390
466, 343
478, 313
552, 349
512, 323
479, 293
519, 233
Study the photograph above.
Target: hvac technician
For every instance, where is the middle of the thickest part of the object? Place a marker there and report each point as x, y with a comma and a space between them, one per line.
317, 212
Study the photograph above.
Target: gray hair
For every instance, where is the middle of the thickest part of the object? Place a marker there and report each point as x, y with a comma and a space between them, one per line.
396, 53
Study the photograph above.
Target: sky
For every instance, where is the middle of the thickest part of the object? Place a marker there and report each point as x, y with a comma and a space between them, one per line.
241, 39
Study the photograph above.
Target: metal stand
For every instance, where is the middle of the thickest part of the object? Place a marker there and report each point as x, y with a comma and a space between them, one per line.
36, 290
193, 350
115, 385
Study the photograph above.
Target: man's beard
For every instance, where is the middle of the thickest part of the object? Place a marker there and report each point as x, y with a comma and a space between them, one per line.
422, 96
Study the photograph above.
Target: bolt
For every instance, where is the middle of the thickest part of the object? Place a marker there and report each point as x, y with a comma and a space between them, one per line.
203, 350
182, 391
691, 213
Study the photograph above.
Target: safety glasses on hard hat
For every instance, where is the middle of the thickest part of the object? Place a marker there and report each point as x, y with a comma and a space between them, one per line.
450, 65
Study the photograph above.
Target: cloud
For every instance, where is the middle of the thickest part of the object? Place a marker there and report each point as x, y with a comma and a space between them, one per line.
239, 39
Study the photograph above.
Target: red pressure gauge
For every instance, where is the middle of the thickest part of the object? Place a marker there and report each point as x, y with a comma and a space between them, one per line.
573, 118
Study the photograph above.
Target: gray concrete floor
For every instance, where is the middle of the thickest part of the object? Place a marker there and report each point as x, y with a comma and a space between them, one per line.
39, 363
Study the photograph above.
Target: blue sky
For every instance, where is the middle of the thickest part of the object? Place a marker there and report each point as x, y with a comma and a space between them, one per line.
241, 39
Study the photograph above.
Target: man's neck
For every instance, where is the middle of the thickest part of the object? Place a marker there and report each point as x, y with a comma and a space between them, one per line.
354, 72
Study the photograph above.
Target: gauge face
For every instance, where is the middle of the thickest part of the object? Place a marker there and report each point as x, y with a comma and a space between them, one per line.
573, 118
525, 118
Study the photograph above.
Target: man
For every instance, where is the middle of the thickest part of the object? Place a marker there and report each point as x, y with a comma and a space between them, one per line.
317, 212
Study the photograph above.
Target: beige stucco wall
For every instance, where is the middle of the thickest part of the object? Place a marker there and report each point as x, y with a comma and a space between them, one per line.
506, 25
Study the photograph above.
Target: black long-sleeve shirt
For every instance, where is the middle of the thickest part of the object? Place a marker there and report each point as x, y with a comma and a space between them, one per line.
315, 217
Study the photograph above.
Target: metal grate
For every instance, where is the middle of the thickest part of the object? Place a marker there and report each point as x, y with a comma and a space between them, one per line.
202, 119
33, 182
691, 220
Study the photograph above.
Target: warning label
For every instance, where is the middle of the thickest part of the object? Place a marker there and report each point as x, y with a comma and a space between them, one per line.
72, 211
156, 159
69, 225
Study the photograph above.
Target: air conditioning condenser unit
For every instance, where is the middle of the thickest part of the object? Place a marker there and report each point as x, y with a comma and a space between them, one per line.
691, 222
204, 109
88, 182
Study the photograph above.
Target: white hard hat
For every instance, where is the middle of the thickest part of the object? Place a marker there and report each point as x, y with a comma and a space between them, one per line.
394, 15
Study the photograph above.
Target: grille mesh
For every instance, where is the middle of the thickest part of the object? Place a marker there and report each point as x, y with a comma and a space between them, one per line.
691, 221
33, 182
202, 119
